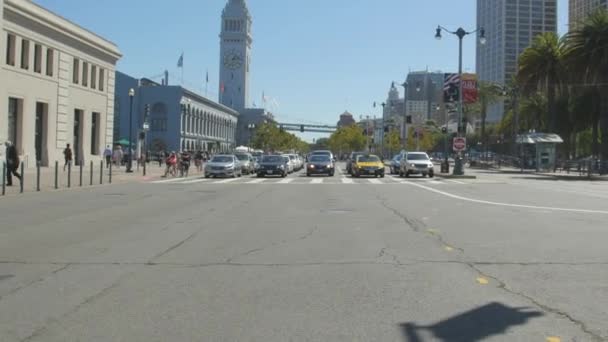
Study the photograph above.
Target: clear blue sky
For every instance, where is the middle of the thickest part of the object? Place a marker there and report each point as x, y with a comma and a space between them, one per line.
317, 58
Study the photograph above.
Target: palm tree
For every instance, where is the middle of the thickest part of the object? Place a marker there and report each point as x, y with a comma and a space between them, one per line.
488, 94
587, 57
541, 68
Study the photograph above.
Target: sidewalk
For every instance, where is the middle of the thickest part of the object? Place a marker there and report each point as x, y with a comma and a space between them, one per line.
100, 177
560, 175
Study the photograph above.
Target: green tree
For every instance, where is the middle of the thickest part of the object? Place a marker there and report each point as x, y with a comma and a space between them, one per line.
587, 57
349, 138
541, 68
392, 141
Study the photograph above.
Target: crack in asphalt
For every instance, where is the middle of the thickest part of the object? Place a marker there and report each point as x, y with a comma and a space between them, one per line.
274, 244
39, 331
36, 281
502, 284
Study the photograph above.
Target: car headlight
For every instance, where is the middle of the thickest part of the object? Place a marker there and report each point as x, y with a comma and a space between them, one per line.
281, 166
412, 165
330, 166
231, 166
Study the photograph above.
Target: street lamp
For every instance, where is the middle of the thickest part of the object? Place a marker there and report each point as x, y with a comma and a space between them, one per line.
405, 85
460, 33
130, 163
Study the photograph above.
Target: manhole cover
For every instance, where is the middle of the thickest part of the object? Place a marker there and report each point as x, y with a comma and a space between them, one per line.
5, 276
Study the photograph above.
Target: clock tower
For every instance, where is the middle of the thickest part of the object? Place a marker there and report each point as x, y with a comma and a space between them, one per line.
235, 55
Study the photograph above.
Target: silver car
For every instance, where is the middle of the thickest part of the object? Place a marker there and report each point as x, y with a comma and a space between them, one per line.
223, 165
416, 163
246, 161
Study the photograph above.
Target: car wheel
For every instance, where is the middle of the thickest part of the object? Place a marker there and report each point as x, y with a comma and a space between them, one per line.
407, 174
423, 175
284, 175
260, 175
382, 175
207, 176
431, 175
331, 174
307, 174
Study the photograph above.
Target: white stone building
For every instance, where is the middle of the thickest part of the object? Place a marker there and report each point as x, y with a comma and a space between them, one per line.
57, 85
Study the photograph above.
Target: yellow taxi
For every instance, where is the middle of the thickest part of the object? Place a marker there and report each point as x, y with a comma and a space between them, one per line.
368, 165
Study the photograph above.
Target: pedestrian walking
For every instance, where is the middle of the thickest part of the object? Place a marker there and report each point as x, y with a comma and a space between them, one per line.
12, 163
107, 153
161, 158
67, 156
118, 156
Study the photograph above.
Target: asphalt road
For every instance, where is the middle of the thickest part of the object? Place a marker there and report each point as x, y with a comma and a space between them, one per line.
499, 258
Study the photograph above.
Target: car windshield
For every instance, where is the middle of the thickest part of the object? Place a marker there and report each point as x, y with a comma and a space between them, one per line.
272, 159
242, 157
222, 159
292, 157
398, 157
417, 156
368, 159
319, 159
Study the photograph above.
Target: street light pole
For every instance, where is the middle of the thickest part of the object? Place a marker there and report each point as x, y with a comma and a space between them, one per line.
405, 87
382, 132
130, 163
460, 33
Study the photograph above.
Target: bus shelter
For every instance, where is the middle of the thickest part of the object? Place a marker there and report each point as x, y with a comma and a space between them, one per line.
538, 150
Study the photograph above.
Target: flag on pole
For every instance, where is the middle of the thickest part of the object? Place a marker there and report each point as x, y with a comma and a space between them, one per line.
180, 61
207, 77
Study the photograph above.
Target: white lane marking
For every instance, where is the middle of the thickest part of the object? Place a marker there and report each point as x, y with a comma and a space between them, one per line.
375, 181
286, 181
347, 180
256, 181
316, 181
447, 194
454, 181
228, 180
171, 180
435, 182
194, 181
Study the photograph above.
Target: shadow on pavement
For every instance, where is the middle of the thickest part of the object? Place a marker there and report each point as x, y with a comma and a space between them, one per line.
474, 325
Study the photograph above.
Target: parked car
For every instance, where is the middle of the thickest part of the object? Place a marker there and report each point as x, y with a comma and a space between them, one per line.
351, 159
246, 160
368, 164
320, 164
223, 165
395, 164
272, 165
416, 163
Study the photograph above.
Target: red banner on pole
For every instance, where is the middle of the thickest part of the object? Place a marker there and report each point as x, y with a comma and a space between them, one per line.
469, 88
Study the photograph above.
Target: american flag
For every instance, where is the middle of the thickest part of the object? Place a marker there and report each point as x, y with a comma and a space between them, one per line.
451, 83
449, 80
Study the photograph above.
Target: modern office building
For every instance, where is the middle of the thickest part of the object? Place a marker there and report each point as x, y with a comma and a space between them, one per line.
579, 10
56, 85
510, 27
178, 119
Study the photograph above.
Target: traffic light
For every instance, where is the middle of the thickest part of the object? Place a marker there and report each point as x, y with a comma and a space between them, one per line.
147, 109
444, 130
302, 128
408, 119
142, 135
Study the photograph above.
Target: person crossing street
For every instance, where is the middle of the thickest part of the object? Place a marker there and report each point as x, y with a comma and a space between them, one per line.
12, 163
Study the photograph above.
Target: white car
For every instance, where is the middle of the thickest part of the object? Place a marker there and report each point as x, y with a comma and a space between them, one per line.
289, 163
294, 161
416, 163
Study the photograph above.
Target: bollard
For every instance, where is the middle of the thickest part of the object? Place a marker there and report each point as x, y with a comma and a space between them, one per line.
101, 172
56, 175
38, 175
69, 174
144, 167
91, 180
110, 176
3, 178
21, 179
80, 167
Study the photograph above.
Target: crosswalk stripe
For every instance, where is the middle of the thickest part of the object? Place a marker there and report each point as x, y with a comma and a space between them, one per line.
256, 181
347, 181
375, 181
229, 180
286, 181
200, 180
172, 180
317, 181
454, 181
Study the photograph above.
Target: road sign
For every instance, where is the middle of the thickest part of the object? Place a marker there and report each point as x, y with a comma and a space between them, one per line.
459, 144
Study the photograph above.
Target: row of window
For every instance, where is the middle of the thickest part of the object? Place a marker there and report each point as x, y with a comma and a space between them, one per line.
89, 75
25, 52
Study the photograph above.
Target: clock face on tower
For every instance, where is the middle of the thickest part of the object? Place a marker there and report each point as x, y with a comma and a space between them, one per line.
233, 59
